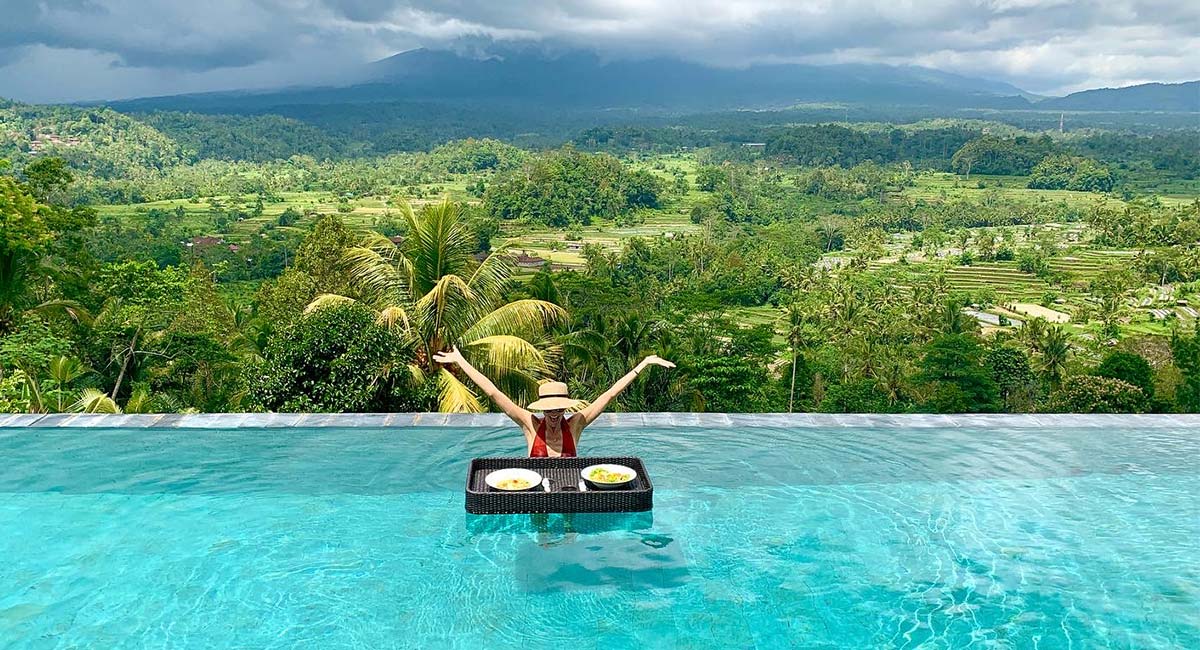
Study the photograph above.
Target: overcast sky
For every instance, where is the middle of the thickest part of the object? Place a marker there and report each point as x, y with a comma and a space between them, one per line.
63, 50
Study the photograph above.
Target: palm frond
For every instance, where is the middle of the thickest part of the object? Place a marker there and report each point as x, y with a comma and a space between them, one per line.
140, 400
395, 319
70, 308
454, 396
526, 318
94, 401
447, 309
65, 370
382, 274
492, 276
438, 244
504, 352
326, 300
416, 374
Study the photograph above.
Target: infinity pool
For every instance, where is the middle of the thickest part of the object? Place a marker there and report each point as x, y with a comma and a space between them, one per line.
761, 536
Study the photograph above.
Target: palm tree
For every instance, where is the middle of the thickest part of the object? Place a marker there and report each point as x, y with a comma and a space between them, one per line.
1055, 348
583, 353
430, 290
797, 336
1034, 332
634, 336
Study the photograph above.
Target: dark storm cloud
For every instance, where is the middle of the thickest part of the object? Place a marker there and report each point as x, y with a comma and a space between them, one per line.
194, 36
124, 47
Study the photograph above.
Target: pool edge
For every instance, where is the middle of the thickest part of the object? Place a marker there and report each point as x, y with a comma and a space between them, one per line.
623, 420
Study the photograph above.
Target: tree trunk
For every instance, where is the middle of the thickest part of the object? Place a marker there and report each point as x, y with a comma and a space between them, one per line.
792, 392
125, 366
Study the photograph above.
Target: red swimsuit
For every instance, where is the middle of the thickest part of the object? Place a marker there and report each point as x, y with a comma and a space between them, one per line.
539, 440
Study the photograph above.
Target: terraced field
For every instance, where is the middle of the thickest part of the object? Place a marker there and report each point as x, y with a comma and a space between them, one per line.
1003, 277
1085, 264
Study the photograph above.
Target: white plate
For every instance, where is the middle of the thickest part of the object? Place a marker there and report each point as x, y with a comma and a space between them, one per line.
493, 479
621, 469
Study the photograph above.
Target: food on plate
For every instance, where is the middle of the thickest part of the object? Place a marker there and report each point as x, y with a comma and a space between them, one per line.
514, 484
601, 475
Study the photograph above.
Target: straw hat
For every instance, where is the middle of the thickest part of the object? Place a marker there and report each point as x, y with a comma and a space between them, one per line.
553, 395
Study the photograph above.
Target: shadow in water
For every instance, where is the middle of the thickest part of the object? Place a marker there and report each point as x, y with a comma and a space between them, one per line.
570, 552
579, 522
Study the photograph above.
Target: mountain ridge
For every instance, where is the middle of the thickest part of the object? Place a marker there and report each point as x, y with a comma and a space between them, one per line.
581, 80
1177, 97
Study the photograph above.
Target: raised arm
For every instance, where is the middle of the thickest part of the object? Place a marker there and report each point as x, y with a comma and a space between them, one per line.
597, 406
509, 407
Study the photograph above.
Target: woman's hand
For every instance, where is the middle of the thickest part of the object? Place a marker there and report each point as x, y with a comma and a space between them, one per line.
654, 360
452, 356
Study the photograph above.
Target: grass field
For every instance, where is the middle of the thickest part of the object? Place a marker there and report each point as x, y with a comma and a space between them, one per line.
934, 185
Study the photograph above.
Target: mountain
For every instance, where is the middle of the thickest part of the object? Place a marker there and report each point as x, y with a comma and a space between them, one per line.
582, 81
1181, 97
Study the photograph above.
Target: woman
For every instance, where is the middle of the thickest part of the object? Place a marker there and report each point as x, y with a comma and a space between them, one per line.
554, 434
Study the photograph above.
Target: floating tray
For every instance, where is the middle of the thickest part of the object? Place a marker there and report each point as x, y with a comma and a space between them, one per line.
564, 483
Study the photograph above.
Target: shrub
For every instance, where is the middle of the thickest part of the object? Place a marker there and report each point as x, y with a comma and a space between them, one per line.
1091, 394
859, 396
337, 359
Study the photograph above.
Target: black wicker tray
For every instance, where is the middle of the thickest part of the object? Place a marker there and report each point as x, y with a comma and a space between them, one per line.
564, 481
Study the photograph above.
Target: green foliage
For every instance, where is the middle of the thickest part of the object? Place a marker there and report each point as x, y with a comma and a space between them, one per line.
1128, 367
483, 229
726, 384
143, 284
320, 254
955, 378
258, 138
97, 141
24, 238
48, 178
31, 345
1185, 349
471, 155
565, 187
1015, 380
709, 178
334, 359
14, 396
281, 301
724, 366
289, 217
1094, 394
856, 396
838, 145
1061, 172
722, 296
1000, 156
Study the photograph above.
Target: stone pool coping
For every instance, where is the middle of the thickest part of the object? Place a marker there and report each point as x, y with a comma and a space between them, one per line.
622, 420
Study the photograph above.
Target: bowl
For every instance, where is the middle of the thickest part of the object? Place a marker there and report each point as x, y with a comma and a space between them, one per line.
496, 479
629, 472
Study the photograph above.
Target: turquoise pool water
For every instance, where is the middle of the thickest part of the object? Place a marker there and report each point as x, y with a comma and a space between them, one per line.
768, 538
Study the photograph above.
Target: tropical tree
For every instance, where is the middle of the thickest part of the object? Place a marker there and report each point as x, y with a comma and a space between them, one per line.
955, 377
800, 335
1055, 347
24, 237
1128, 367
430, 289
